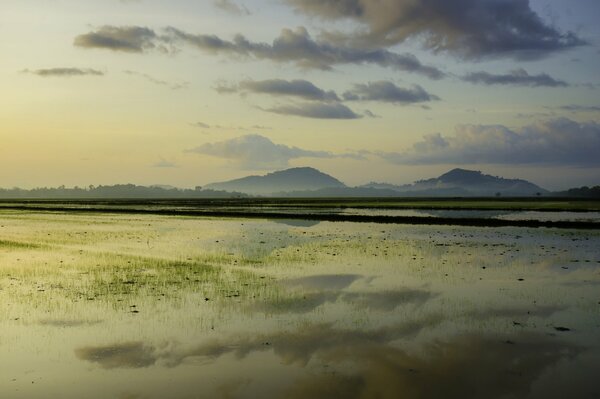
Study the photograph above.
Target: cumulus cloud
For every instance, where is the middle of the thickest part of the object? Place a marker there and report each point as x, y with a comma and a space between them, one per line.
280, 87
316, 110
468, 28
518, 77
559, 141
132, 39
388, 92
65, 72
254, 152
231, 7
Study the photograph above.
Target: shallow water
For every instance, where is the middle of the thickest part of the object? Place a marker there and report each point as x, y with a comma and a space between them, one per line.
106, 306
549, 216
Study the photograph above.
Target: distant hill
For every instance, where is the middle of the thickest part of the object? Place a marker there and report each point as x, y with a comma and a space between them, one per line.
370, 192
118, 191
294, 179
462, 182
309, 182
581, 192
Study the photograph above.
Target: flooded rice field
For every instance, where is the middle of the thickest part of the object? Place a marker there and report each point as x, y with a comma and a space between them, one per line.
151, 306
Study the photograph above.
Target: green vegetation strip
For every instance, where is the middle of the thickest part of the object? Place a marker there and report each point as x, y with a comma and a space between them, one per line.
326, 217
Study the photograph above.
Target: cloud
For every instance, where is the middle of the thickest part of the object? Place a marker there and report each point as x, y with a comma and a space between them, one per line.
231, 7
388, 92
291, 46
126, 355
580, 108
255, 152
316, 110
164, 164
297, 46
131, 39
467, 28
279, 87
65, 72
554, 142
518, 77
151, 79
207, 126
370, 114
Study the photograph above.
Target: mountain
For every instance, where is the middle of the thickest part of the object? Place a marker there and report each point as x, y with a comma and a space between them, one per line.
581, 192
463, 182
294, 179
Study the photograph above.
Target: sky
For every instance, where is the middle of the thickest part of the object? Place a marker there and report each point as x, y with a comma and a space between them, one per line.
189, 92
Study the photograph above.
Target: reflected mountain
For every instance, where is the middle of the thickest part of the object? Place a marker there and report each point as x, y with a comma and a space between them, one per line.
296, 222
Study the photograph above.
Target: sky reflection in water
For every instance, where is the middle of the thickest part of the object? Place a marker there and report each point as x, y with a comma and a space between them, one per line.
152, 307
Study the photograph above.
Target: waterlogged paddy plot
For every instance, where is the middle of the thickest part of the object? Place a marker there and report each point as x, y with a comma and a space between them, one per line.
141, 306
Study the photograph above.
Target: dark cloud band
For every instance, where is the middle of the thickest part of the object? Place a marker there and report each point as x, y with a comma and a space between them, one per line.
316, 111
384, 91
280, 87
291, 46
64, 72
468, 28
518, 77
132, 39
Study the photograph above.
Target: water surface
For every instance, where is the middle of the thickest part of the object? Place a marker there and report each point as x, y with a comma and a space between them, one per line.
139, 306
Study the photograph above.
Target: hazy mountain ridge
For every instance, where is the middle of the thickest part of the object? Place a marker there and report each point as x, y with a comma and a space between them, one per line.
462, 182
309, 182
294, 179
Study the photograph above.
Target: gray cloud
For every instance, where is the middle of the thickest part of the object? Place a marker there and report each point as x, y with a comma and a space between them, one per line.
279, 87
257, 152
64, 72
468, 28
163, 163
518, 77
297, 46
385, 91
231, 7
221, 127
555, 142
316, 110
132, 39
151, 79
291, 46
580, 108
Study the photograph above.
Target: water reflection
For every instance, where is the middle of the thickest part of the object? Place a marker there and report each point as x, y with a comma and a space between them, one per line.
366, 364
154, 307
323, 282
127, 355
464, 367
296, 222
